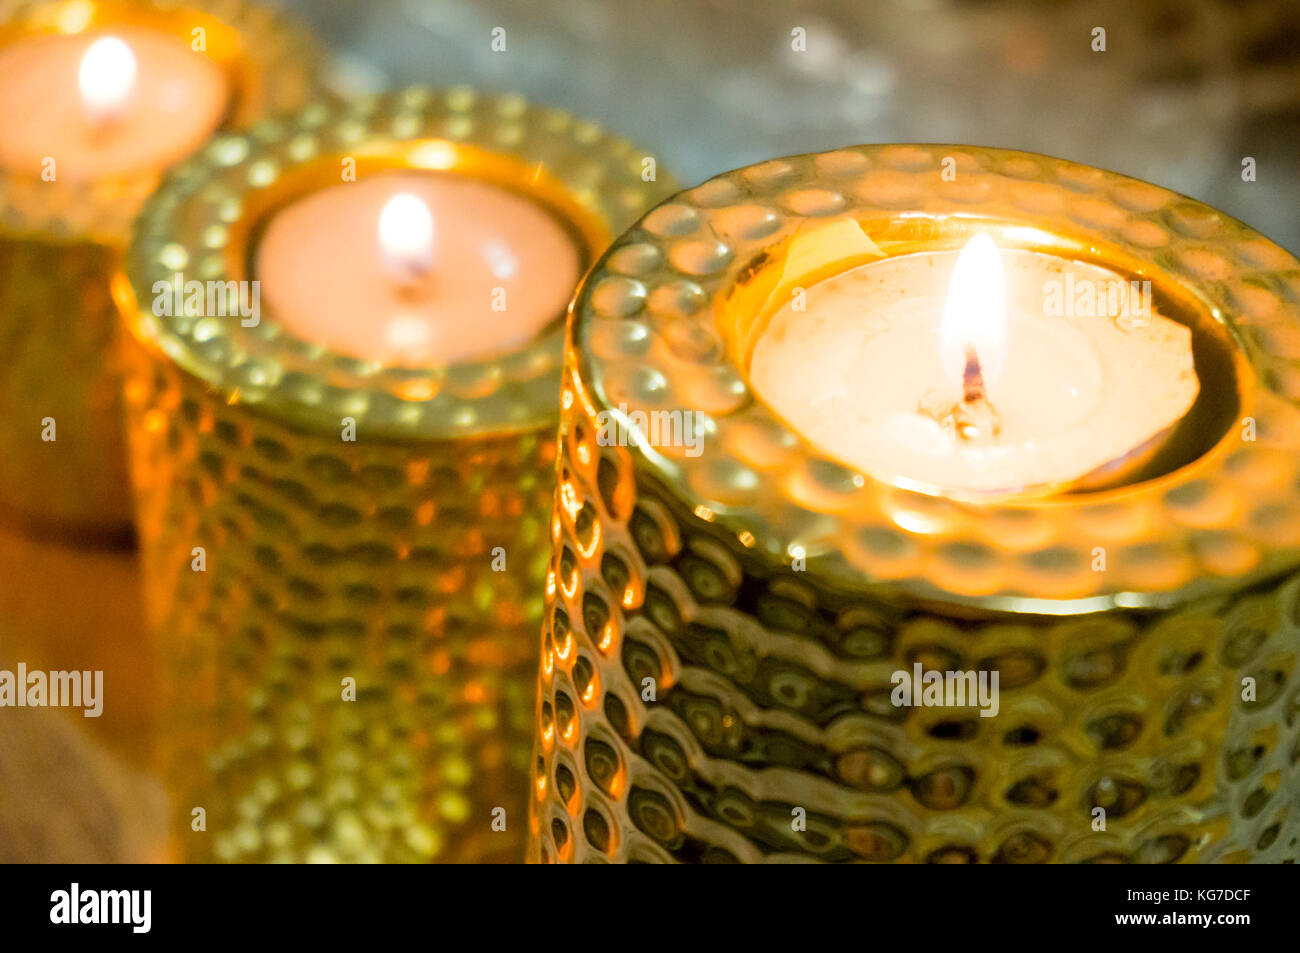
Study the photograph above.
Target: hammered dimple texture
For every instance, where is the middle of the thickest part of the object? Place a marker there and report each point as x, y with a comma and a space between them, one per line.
725, 618
324, 560
650, 335
410, 559
692, 700
192, 225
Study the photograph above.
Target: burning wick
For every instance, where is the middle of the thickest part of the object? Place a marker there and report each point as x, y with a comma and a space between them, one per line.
972, 341
106, 80
975, 417
972, 378
406, 239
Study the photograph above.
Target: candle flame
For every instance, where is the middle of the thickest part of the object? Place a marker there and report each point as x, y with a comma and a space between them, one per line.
406, 237
106, 78
972, 337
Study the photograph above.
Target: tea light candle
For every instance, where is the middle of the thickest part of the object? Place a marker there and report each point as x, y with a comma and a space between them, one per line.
948, 371
414, 268
368, 467
106, 102
97, 100
779, 581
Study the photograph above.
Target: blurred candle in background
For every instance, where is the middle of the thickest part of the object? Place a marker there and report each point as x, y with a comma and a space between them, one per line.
106, 103
97, 100
367, 468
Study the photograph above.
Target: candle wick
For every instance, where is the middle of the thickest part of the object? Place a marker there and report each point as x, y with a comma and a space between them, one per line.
974, 418
101, 126
406, 241
411, 274
972, 378
977, 419
413, 284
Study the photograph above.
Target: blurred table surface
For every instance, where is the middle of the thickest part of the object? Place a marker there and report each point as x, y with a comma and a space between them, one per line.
1184, 91
77, 789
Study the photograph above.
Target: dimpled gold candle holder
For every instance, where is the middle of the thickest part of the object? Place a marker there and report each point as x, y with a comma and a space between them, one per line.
370, 560
701, 688
60, 242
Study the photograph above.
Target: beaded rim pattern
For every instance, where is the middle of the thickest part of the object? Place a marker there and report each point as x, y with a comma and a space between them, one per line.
272, 60
646, 334
191, 224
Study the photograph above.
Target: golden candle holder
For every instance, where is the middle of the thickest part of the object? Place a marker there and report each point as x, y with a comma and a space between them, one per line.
722, 629
60, 242
370, 560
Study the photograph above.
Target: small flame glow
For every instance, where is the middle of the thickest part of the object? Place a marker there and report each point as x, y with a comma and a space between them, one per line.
974, 316
406, 237
106, 78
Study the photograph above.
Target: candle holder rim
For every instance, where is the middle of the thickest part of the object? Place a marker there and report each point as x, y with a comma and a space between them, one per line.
689, 222
314, 386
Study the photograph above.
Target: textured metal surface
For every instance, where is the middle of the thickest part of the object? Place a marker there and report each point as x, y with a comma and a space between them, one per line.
60, 242
773, 693
656, 330
329, 559
696, 689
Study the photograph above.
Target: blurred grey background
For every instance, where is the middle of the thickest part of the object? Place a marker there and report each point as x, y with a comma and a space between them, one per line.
1183, 92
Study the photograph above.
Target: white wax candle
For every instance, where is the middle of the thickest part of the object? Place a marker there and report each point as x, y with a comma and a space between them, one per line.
866, 371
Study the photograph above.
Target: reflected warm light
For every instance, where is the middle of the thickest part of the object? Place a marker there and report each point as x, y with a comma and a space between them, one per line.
406, 237
106, 78
974, 316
